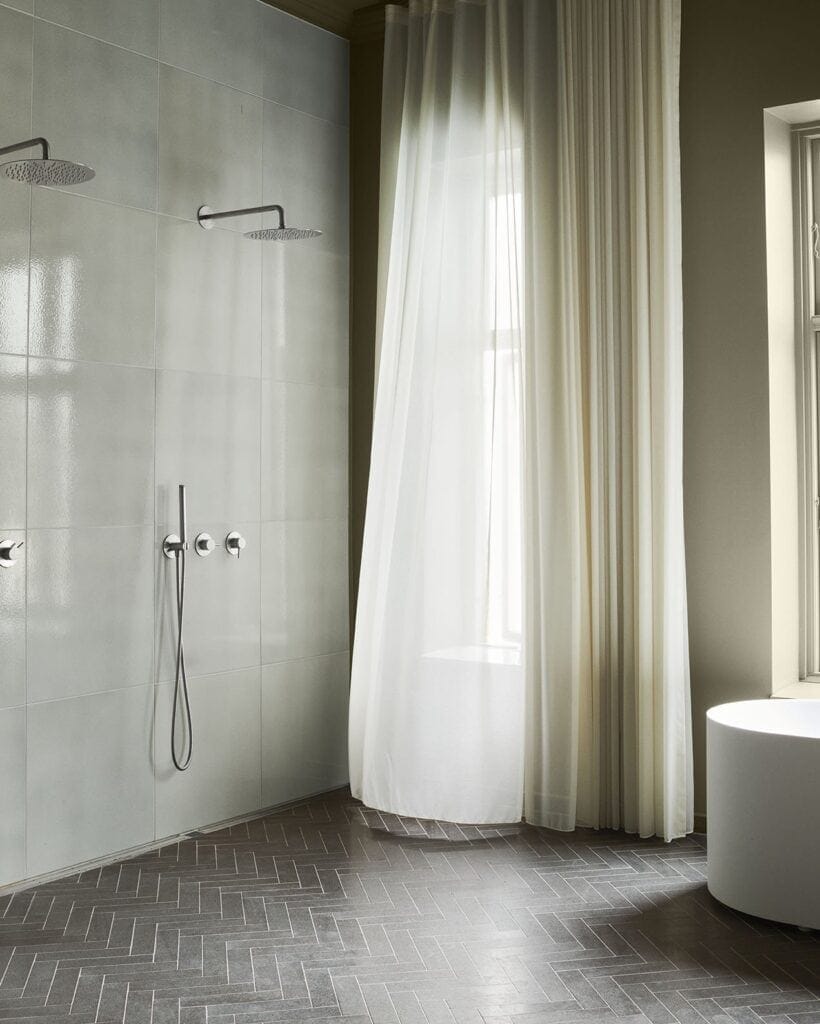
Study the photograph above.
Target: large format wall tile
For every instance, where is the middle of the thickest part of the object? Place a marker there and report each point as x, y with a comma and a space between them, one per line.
304, 589
13, 440
223, 780
304, 314
306, 171
90, 610
304, 727
304, 451
89, 778
97, 104
15, 126
210, 147
121, 281
305, 68
92, 280
90, 437
13, 627
134, 25
13, 795
219, 41
221, 604
207, 438
208, 297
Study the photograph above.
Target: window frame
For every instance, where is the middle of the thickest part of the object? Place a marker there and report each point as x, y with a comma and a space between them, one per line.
807, 342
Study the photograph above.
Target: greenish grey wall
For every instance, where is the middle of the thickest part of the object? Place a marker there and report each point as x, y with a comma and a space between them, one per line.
737, 57
366, 62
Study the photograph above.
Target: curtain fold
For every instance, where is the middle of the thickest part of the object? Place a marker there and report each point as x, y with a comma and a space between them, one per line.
521, 636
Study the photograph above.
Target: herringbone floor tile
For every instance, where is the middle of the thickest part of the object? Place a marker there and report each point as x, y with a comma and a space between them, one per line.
332, 912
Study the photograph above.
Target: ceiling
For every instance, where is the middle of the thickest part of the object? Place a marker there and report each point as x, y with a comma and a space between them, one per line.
335, 15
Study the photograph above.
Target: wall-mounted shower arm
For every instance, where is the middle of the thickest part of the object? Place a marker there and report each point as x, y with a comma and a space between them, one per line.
44, 169
274, 207
28, 144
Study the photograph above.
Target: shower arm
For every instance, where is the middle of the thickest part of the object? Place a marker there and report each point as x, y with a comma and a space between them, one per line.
240, 213
28, 144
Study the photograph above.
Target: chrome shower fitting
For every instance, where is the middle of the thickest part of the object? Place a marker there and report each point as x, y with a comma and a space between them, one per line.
7, 552
43, 170
204, 544
235, 543
206, 216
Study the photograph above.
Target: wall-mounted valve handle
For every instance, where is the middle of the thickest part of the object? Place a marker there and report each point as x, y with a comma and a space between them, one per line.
204, 544
7, 552
234, 543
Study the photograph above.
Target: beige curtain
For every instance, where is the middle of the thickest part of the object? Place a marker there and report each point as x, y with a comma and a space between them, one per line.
521, 636
608, 725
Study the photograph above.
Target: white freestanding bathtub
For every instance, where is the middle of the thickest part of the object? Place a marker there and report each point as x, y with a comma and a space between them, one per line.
763, 808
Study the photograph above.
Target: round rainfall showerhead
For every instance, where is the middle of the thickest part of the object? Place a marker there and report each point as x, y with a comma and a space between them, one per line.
47, 172
42, 170
282, 234
206, 217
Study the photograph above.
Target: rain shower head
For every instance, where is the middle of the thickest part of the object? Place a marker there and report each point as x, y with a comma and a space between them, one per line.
205, 216
282, 234
43, 170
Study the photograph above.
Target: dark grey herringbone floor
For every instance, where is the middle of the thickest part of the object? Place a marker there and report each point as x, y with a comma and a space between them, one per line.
328, 911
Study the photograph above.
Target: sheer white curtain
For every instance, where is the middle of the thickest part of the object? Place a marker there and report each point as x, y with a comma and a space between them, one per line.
521, 640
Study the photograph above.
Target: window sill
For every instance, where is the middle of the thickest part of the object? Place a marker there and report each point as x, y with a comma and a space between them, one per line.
803, 690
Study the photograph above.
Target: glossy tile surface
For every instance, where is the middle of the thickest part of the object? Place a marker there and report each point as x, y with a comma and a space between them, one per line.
90, 610
15, 125
13, 627
97, 104
304, 727
89, 777
92, 280
305, 69
304, 589
306, 166
304, 314
132, 350
223, 778
221, 624
210, 146
13, 793
208, 439
13, 441
304, 451
221, 42
134, 25
90, 443
208, 296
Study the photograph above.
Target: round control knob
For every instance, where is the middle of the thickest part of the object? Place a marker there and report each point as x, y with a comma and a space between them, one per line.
204, 544
234, 543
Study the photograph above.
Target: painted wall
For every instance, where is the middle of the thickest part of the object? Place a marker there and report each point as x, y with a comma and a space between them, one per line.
138, 351
737, 57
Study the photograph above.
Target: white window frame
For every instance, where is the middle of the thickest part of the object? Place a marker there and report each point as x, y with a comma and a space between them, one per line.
807, 337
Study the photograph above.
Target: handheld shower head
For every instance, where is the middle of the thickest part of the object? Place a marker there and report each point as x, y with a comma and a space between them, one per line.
206, 216
43, 170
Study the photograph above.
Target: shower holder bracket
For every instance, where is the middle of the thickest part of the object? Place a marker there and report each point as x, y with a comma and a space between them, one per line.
172, 545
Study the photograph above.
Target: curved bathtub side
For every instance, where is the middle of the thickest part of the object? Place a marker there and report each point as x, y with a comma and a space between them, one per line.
763, 813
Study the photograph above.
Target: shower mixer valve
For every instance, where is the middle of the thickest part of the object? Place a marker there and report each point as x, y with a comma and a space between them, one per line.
204, 544
7, 552
234, 543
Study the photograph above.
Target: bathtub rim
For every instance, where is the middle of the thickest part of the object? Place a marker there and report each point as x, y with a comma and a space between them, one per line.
803, 712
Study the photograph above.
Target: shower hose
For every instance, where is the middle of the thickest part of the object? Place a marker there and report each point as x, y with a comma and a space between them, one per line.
181, 679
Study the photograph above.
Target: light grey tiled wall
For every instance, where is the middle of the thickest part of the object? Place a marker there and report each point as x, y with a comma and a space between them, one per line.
138, 351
